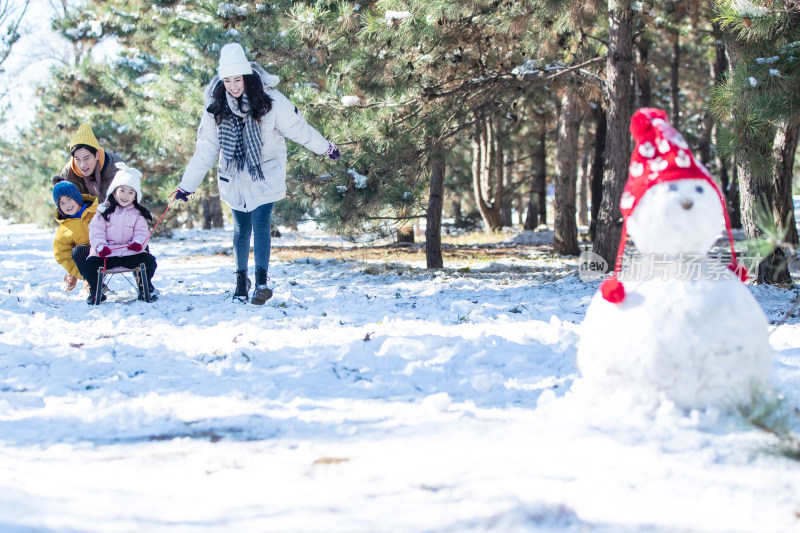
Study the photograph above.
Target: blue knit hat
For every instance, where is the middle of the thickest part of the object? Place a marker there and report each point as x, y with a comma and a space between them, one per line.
65, 188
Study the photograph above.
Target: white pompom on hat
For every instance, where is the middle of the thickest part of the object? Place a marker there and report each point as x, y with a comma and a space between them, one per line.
127, 176
233, 61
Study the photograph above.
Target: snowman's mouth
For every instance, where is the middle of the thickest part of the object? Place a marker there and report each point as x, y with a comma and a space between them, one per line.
687, 204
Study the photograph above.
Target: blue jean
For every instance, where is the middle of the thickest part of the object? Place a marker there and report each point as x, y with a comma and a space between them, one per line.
258, 223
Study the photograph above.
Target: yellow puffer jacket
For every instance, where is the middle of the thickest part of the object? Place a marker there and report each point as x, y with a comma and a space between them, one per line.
70, 233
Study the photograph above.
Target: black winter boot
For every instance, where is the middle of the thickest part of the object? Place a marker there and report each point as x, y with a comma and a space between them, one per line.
242, 286
262, 292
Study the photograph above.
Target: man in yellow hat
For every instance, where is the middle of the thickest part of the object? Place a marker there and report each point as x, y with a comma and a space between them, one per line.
91, 169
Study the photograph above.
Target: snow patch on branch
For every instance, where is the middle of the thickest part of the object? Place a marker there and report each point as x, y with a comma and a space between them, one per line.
351, 101
745, 8
392, 16
753, 81
359, 180
89, 28
229, 11
529, 66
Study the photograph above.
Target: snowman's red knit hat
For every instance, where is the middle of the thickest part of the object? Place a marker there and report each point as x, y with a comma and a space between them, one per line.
660, 154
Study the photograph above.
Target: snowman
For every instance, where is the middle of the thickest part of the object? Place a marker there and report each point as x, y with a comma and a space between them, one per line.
675, 325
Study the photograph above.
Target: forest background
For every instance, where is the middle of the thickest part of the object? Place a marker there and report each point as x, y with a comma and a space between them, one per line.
469, 110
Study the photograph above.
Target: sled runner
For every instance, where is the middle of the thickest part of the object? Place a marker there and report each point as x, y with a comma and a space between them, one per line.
140, 272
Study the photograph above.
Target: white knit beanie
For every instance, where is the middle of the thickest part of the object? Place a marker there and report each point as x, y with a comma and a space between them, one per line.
127, 176
233, 61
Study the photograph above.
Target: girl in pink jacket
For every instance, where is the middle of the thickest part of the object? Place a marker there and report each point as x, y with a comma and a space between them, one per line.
118, 232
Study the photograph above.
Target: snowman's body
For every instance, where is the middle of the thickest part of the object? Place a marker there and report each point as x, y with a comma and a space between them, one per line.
687, 330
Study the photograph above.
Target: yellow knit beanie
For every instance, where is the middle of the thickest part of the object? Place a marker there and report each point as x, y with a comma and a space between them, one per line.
84, 136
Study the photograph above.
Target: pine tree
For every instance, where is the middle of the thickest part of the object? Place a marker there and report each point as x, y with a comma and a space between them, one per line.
759, 102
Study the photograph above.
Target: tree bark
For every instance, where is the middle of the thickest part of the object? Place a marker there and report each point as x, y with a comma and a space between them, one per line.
704, 142
732, 197
488, 191
565, 235
674, 82
618, 100
642, 78
506, 205
433, 228
583, 185
783, 149
487, 176
730, 187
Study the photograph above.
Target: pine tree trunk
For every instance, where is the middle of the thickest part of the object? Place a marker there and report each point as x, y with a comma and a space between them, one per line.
499, 157
757, 190
674, 82
783, 149
618, 97
433, 229
756, 194
598, 166
583, 185
704, 142
730, 187
537, 206
642, 78
505, 206
565, 235
212, 212
457, 213
732, 197
484, 165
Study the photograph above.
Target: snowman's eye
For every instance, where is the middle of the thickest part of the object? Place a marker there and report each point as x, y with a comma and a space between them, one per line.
673, 187
699, 189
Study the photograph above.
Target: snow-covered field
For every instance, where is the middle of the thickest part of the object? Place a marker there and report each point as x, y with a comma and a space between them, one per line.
361, 398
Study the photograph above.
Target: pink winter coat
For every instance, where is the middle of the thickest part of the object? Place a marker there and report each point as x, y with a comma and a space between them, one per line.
125, 226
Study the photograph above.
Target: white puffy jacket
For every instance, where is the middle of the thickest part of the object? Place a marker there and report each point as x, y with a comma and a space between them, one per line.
236, 187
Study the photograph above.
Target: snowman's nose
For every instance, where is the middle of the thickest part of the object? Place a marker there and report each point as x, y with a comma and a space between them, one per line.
687, 203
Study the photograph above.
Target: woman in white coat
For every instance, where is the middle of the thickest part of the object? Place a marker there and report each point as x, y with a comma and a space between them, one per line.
244, 125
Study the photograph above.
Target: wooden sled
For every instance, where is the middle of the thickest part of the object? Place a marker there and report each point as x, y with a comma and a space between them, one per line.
140, 272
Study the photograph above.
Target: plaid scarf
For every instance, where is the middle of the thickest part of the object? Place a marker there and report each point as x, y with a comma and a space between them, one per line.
240, 138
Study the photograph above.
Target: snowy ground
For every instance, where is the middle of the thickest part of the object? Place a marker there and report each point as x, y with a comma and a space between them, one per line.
359, 399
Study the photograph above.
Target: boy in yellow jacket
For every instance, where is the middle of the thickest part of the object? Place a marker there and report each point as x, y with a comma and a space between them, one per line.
74, 211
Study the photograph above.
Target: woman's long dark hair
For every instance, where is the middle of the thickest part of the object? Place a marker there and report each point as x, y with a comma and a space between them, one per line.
260, 102
111, 206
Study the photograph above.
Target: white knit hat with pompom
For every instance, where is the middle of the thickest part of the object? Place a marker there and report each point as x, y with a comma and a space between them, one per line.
127, 176
233, 61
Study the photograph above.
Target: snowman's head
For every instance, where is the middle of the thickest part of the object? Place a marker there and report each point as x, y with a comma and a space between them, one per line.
670, 203
675, 216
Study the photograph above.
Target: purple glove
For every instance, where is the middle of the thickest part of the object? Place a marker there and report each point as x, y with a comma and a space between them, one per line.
180, 194
333, 152
104, 251
135, 247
